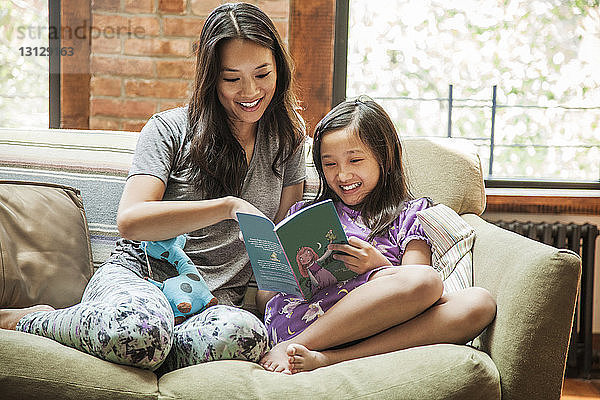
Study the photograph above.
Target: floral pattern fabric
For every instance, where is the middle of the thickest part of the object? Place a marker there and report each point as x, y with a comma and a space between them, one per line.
125, 319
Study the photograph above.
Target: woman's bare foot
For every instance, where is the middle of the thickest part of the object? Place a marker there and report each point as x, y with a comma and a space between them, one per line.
302, 359
277, 360
9, 317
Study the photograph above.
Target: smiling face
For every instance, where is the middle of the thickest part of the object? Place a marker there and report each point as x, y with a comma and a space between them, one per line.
350, 168
247, 81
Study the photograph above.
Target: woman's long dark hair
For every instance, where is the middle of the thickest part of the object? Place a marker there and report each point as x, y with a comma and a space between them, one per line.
216, 160
376, 130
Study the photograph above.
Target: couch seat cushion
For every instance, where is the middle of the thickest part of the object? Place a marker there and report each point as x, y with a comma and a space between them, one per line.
429, 372
34, 367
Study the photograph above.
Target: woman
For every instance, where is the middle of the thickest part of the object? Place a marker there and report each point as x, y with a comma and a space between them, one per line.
236, 147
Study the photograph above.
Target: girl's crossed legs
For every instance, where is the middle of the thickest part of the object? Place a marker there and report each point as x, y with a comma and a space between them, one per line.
124, 319
396, 308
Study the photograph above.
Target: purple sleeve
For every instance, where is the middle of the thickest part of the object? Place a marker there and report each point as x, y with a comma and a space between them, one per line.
409, 226
295, 208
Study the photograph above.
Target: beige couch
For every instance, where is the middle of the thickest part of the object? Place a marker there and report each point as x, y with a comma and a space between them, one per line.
520, 356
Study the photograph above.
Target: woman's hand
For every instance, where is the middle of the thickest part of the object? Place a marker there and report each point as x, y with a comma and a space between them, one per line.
360, 256
236, 205
240, 205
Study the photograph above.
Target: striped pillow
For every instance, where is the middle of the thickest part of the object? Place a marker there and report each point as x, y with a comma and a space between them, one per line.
452, 241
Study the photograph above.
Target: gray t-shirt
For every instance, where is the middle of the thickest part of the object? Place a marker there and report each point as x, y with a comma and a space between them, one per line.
216, 250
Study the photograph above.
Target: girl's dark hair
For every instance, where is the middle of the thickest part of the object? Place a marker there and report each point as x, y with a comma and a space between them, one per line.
375, 129
216, 160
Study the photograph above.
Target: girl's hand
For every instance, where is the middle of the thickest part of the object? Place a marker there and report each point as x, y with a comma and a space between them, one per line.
360, 256
240, 205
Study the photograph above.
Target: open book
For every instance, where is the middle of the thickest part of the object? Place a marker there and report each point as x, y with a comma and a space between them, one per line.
292, 256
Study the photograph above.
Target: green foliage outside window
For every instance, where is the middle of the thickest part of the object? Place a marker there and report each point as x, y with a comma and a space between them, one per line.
543, 55
23, 79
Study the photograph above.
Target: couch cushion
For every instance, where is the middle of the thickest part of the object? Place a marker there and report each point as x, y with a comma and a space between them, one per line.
40, 368
45, 255
33, 367
429, 372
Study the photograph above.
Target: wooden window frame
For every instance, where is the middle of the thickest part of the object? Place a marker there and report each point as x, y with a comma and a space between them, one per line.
69, 75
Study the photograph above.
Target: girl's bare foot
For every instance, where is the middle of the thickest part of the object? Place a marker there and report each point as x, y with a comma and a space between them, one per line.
277, 360
9, 317
302, 359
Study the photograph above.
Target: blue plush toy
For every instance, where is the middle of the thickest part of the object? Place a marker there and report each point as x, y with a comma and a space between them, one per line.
187, 293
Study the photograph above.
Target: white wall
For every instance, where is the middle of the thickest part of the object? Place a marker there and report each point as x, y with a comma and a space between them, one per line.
562, 218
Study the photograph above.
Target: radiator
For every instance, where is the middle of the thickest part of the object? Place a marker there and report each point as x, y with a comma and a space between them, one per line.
582, 240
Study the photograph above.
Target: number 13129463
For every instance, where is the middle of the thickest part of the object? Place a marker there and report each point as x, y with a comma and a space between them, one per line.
45, 51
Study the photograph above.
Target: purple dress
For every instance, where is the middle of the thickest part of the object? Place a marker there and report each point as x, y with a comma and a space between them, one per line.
287, 315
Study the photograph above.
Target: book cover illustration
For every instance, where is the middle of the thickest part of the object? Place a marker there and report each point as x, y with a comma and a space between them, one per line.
292, 257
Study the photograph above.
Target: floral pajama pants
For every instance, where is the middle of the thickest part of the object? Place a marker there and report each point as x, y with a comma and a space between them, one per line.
125, 319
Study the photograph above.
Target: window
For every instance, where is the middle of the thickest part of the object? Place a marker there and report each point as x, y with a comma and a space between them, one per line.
520, 79
24, 64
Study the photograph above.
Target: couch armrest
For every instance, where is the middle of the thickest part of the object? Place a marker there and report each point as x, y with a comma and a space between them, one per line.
535, 287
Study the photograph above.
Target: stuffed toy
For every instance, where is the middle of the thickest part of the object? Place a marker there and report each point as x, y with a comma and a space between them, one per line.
187, 293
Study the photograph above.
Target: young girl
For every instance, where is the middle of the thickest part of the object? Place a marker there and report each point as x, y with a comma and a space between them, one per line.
396, 300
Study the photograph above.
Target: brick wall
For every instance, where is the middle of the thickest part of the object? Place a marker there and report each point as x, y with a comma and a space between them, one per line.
141, 56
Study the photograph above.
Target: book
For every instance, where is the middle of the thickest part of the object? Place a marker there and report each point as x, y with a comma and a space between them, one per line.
292, 256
